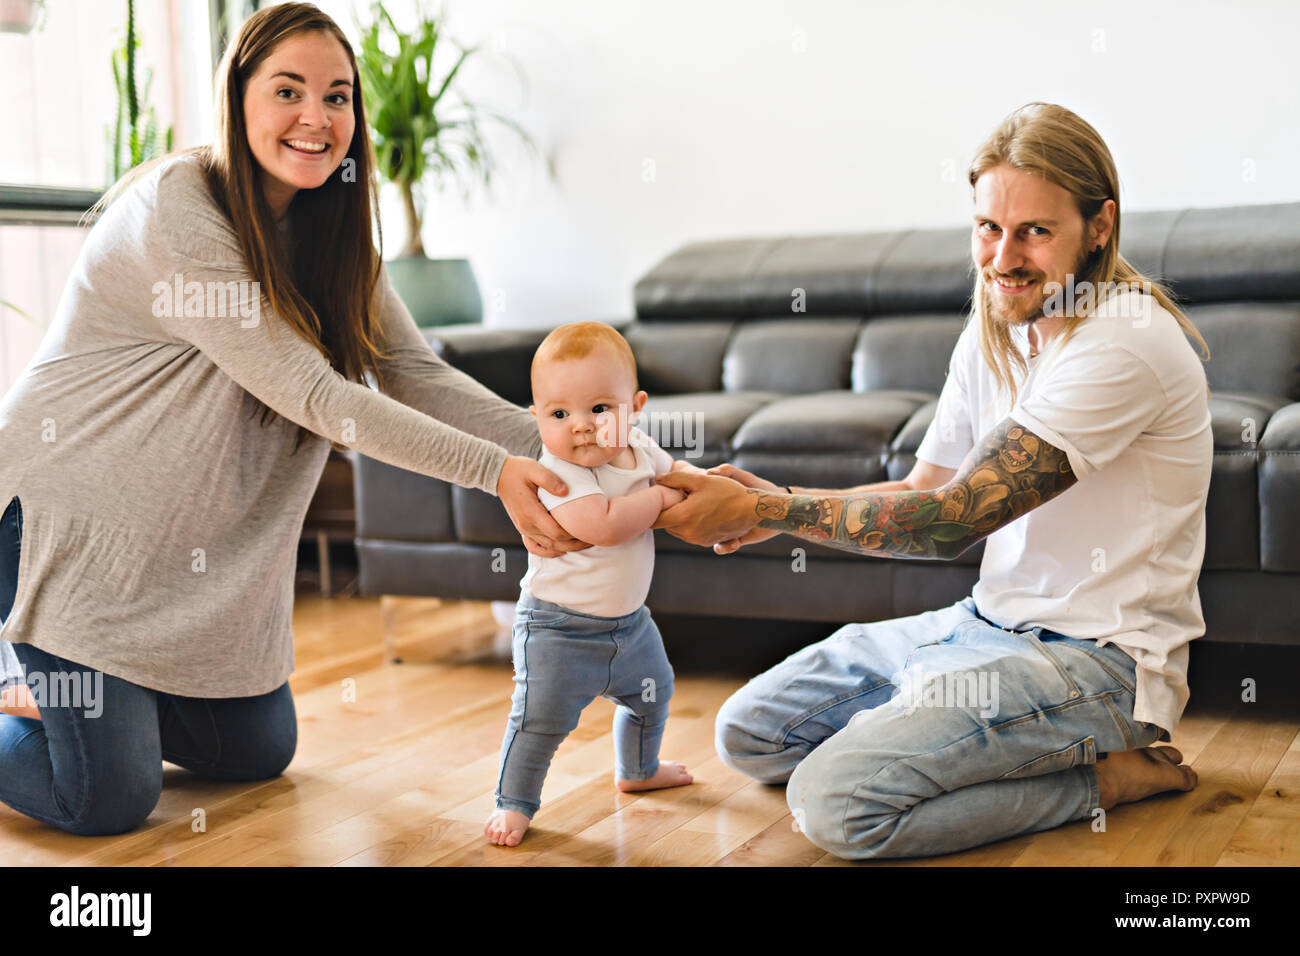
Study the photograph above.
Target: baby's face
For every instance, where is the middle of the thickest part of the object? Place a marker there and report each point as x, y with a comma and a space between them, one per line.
584, 408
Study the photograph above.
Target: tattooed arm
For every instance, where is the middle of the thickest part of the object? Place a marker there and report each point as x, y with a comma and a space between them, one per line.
1010, 472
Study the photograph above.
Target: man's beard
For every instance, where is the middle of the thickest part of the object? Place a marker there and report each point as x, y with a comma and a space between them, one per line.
1025, 313
1014, 314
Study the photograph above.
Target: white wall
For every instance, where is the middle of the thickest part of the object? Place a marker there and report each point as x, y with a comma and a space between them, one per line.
763, 117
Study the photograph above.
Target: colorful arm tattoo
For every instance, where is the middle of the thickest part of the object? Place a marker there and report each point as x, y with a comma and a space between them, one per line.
1009, 473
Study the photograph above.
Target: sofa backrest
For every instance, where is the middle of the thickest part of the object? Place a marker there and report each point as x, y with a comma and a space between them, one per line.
883, 310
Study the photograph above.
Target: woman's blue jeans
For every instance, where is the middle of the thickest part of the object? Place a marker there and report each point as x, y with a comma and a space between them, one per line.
92, 764
934, 733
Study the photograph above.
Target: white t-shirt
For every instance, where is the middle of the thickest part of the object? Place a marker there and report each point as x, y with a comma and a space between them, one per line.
1115, 557
609, 581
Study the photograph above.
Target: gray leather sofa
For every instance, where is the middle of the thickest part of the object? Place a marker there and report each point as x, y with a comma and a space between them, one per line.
842, 393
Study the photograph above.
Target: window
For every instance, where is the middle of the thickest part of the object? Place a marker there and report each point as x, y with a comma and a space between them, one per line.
59, 107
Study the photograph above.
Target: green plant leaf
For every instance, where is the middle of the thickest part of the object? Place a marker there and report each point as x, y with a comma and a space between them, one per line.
423, 128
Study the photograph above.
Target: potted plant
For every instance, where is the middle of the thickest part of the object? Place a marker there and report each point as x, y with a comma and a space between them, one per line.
426, 132
20, 16
133, 137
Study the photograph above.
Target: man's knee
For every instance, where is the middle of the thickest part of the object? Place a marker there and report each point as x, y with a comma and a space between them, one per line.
836, 812
742, 747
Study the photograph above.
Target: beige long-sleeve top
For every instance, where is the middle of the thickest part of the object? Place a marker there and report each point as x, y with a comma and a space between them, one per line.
160, 519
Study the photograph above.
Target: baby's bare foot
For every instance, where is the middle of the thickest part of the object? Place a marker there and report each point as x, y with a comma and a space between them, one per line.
1130, 775
669, 774
506, 827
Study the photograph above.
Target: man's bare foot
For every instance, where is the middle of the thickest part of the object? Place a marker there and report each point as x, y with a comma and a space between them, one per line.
506, 827
1129, 775
669, 774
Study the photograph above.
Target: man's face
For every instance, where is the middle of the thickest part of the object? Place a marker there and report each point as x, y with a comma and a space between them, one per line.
1027, 232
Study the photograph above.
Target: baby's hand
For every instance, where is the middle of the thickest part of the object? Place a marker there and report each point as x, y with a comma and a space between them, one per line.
670, 496
680, 464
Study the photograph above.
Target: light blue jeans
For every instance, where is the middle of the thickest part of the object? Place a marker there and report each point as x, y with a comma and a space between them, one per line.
563, 661
934, 733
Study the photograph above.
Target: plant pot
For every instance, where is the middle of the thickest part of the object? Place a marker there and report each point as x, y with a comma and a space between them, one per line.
437, 291
19, 16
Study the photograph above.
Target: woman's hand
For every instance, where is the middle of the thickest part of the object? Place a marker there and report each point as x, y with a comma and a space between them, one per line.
517, 488
716, 509
749, 480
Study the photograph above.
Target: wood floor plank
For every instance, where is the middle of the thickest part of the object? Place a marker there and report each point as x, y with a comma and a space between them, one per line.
1270, 834
1194, 828
781, 844
1079, 844
396, 766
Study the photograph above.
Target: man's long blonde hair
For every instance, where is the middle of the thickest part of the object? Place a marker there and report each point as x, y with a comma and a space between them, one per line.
1057, 145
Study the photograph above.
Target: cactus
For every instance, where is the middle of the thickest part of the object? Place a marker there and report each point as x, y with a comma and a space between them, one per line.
133, 137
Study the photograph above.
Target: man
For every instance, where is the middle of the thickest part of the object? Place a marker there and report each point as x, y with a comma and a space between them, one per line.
1033, 701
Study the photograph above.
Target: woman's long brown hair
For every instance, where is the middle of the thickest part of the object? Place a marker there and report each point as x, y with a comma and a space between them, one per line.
326, 291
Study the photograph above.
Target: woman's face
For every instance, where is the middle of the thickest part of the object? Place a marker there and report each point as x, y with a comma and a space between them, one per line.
298, 114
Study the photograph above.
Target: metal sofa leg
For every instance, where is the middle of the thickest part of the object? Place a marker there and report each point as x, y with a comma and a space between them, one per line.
323, 554
388, 625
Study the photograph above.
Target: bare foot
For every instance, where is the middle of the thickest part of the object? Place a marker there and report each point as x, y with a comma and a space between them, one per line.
669, 774
506, 827
1129, 775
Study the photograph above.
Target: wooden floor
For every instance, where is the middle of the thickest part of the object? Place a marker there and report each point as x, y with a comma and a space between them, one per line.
396, 764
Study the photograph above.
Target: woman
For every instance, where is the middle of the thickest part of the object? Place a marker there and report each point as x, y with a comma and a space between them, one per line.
161, 449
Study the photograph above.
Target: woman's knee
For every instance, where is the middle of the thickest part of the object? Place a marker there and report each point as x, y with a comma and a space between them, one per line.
268, 757
273, 758
118, 806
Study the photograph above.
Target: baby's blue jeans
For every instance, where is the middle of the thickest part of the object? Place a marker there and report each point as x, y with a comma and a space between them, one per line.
934, 733
563, 661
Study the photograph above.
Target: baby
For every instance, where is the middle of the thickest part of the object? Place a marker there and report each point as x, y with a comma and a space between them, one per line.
582, 629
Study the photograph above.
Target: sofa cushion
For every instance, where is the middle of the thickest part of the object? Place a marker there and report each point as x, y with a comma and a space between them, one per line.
673, 356
1238, 419
499, 358
902, 450
828, 274
748, 277
790, 355
1254, 346
1145, 237
1237, 252
825, 440
926, 270
1232, 508
480, 518
909, 352
702, 279
1279, 491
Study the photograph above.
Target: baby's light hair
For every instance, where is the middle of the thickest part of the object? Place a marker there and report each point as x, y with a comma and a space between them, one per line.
578, 340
